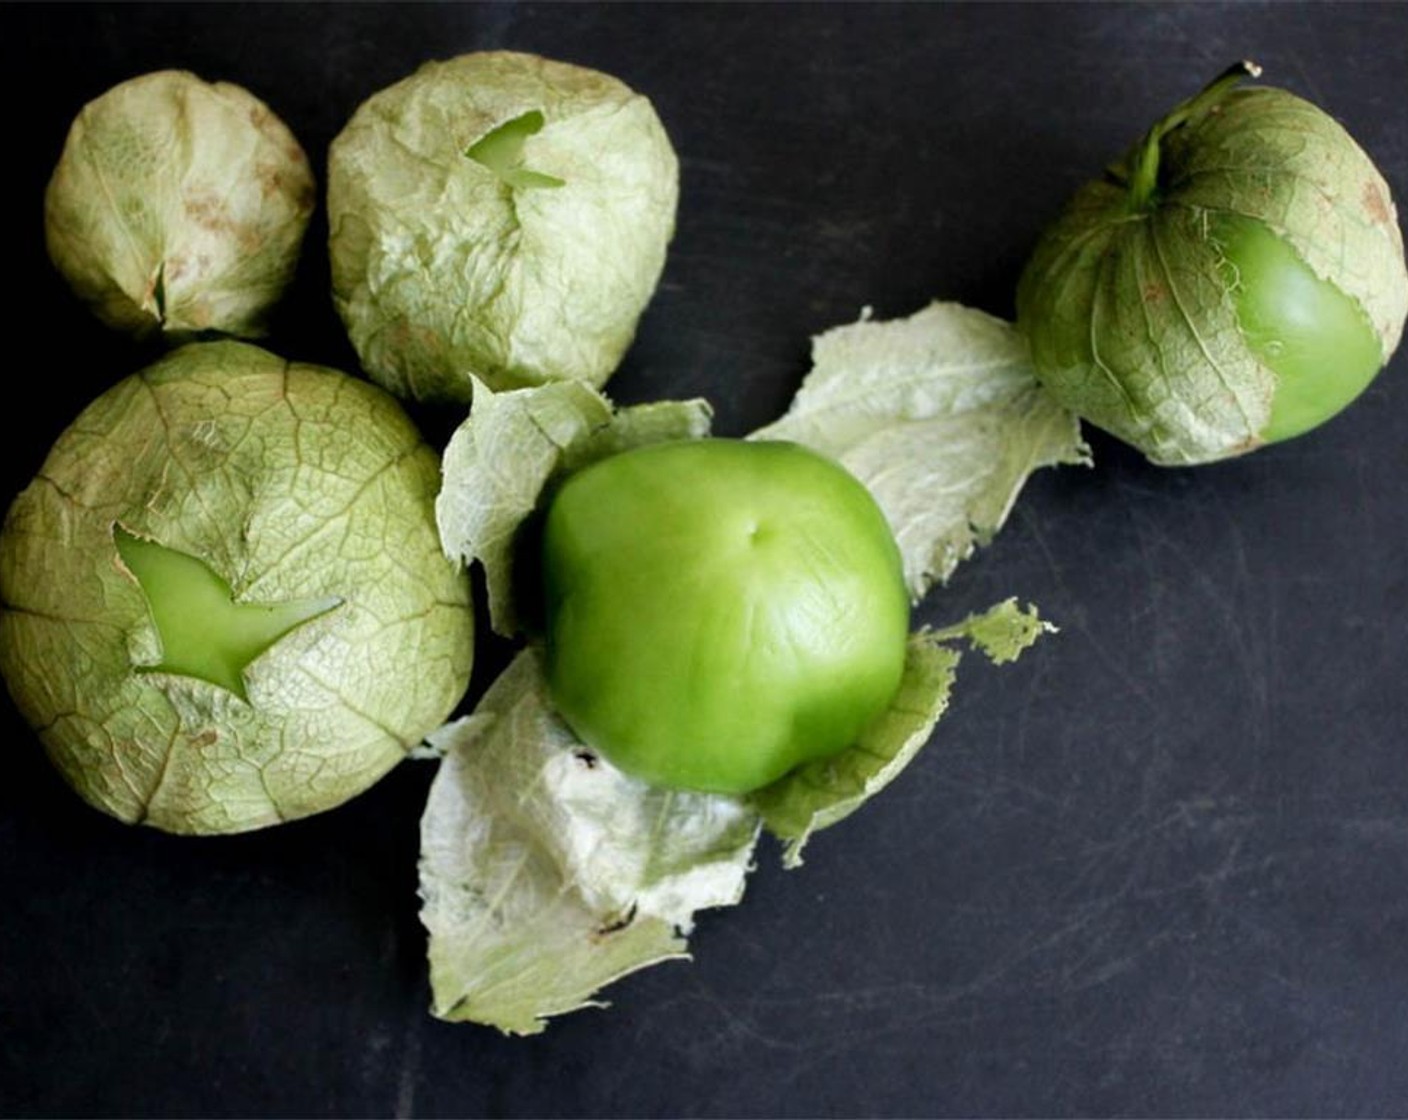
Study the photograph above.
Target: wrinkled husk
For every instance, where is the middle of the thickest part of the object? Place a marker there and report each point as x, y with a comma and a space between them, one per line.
442, 271
179, 205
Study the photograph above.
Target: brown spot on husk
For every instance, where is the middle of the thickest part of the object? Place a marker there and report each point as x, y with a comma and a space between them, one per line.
1375, 204
1154, 292
271, 182
208, 211
197, 314
205, 738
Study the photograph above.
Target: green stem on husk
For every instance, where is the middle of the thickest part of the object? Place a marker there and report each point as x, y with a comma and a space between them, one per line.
1144, 163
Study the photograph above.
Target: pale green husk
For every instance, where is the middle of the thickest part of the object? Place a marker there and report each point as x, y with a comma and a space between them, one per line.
443, 268
535, 852
290, 482
940, 415
179, 205
1131, 322
546, 873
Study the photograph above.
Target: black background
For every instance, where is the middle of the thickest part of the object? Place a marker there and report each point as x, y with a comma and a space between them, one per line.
1159, 866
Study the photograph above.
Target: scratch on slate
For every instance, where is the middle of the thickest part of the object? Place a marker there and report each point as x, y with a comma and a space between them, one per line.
410, 1072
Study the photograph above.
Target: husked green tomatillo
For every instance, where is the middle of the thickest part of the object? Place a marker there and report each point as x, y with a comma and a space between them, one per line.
179, 206
1236, 279
719, 612
223, 602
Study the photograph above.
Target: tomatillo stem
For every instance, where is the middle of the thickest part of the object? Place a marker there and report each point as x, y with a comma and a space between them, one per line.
1144, 176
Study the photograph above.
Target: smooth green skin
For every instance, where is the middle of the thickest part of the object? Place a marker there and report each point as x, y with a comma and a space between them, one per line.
1317, 340
719, 612
204, 632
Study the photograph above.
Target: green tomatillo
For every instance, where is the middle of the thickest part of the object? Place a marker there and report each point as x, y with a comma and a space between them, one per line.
719, 611
1236, 279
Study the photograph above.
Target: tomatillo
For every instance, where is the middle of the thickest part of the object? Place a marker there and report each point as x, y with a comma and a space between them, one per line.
1237, 279
720, 611
498, 215
179, 206
223, 602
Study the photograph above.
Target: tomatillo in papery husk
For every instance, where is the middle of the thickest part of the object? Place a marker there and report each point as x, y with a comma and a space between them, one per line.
1236, 279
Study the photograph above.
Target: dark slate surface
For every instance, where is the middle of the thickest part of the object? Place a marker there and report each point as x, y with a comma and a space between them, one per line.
1159, 867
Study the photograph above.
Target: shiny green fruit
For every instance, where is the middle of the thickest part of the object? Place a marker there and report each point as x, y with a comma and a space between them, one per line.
1237, 279
1314, 338
719, 612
